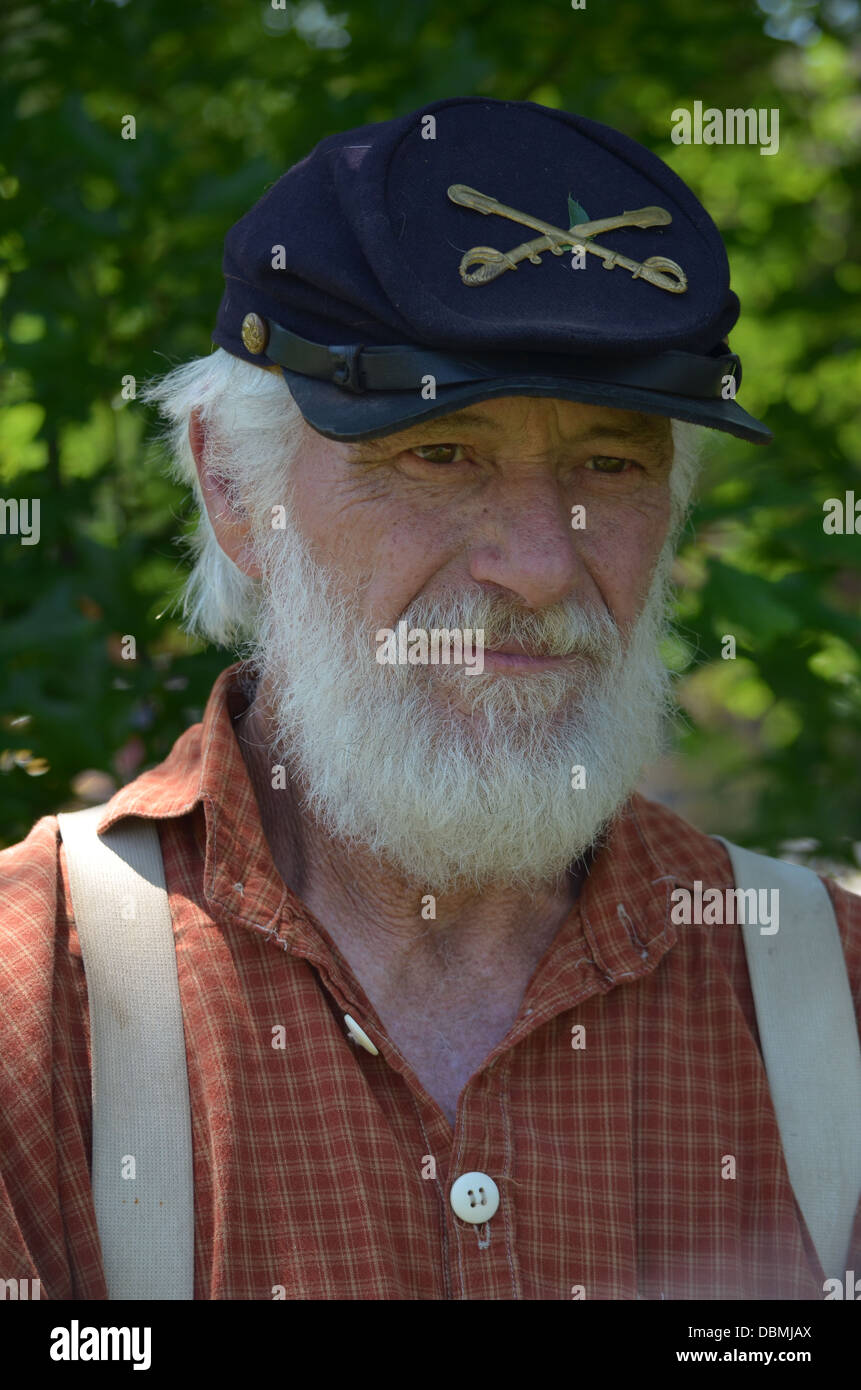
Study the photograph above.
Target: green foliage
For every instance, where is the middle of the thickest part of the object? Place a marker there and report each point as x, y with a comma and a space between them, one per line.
110, 253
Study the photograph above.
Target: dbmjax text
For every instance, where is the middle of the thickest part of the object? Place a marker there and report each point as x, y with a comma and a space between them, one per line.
717, 1333
76, 1343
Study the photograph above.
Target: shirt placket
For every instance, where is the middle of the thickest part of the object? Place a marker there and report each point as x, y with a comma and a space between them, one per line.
469, 1166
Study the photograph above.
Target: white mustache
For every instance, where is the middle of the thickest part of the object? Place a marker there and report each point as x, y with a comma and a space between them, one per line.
547, 634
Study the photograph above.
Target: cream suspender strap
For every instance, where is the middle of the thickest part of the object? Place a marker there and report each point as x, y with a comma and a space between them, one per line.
141, 1110
810, 1046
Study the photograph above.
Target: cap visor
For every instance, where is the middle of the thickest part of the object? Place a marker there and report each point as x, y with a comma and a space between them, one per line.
340, 414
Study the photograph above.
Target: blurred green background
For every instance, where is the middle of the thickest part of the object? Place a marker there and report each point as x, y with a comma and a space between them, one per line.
111, 251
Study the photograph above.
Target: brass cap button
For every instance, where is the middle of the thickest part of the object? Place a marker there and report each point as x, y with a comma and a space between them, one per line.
255, 333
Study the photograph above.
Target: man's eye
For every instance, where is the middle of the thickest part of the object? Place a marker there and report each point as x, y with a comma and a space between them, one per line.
602, 463
438, 453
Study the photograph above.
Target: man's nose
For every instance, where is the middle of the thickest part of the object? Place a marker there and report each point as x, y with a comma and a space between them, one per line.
525, 543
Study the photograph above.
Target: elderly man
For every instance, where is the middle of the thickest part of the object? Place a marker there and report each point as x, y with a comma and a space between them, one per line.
446, 1035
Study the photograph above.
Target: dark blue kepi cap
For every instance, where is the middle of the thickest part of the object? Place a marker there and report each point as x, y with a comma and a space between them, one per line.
480, 248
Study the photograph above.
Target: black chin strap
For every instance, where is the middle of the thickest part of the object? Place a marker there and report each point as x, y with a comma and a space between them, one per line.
402, 367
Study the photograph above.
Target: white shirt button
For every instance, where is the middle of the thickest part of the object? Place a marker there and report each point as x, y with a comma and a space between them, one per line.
474, 1197
360, 1036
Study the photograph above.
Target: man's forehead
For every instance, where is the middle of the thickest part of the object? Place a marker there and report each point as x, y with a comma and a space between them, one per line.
497, 418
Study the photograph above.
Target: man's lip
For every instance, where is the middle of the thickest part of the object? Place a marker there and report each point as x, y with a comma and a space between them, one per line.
512, 658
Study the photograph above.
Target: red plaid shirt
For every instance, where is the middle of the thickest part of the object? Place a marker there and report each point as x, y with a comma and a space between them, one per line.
310, 1162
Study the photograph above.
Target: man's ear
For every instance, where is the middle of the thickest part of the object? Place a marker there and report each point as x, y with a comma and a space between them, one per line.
231, 526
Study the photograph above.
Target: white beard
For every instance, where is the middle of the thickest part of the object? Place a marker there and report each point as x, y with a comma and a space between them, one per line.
472, 791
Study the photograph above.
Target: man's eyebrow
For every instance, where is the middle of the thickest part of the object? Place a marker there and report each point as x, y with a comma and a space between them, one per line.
379, 445
638, 431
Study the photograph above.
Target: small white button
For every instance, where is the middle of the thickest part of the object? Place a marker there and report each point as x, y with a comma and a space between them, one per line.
360, 1036
474, 1197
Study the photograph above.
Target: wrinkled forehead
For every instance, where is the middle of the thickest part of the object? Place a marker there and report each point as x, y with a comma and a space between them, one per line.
527, 420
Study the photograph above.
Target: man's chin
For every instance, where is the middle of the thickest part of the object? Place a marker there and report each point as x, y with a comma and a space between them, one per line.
552, 693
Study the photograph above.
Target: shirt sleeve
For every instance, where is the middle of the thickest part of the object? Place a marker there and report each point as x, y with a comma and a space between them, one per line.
47, 1218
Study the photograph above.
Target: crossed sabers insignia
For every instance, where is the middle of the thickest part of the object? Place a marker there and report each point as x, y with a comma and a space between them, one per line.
492, 263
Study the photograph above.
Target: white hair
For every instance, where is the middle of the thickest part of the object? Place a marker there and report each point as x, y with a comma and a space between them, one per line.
254, 432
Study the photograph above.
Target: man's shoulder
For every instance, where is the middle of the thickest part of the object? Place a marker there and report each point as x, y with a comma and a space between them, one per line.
35, 966
681, 849
29, 873
33, 871
688, 854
